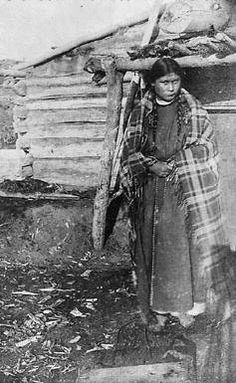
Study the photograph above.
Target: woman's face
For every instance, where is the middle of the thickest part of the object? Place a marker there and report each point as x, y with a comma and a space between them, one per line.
167, 87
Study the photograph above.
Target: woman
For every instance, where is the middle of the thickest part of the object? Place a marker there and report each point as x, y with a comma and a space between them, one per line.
169, 174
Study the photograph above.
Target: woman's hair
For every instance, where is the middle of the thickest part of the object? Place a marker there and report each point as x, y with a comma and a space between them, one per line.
162, 67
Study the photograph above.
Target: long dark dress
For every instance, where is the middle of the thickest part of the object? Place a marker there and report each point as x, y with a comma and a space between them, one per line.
162, 254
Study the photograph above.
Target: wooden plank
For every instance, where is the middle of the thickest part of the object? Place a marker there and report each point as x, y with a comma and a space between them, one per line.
80, 78
149, 373
67, 115
66, 104
66, 79
84, 130
12, 73
81, 181
73, 91
80, 171
85, 148
55, 142
64, 129
59, 92
41, 196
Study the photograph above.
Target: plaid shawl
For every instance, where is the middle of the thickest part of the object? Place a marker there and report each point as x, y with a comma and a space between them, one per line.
195, 177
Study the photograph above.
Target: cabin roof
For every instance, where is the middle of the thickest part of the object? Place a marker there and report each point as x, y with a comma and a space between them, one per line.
118, 43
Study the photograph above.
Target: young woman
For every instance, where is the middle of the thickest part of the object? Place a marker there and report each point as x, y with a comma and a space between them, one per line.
169, 174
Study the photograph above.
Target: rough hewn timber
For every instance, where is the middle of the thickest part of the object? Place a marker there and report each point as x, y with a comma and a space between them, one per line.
12, 73
114, 102
67, 115
149, 373
66, 104
81, 172
186, 62
63, 130
78, 78
54, 148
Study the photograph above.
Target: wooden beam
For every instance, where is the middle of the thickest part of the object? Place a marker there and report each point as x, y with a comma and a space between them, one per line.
12, 73
40, 196
151, 373
114, 102
195, 61
186, 62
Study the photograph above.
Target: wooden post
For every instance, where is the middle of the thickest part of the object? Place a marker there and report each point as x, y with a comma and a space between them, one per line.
114, 99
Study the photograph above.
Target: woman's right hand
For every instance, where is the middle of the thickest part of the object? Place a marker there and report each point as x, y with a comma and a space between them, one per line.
161, 169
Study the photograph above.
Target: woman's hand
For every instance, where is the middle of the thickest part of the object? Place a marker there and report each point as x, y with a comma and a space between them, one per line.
161, 169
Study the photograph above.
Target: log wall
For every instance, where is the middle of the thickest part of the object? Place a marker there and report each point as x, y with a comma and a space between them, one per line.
66, 124
64, 117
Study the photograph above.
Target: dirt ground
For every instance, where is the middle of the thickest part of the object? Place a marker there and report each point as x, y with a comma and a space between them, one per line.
66, 308
61, 302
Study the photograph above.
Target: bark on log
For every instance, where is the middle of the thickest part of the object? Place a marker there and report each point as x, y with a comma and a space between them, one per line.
185, 62
193, 61
204, 46
114, 101
12, 73
195, 15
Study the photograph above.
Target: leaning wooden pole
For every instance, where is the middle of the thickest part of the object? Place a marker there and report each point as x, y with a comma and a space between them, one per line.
151, 32
114, 101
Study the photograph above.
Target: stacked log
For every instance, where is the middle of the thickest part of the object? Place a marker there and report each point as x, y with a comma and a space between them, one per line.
195, 15
218, 43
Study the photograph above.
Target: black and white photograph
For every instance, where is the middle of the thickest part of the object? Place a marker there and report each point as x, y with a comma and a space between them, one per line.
117, 191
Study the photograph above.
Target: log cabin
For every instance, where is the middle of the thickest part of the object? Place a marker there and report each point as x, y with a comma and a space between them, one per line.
62, 114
